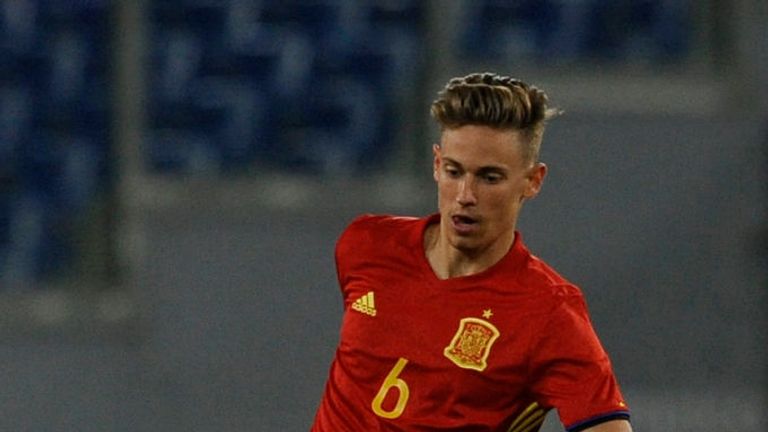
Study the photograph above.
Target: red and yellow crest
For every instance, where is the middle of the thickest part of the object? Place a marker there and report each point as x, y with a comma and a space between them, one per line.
472, 343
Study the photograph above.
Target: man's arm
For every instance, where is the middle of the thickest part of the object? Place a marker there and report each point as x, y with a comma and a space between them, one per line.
611, 426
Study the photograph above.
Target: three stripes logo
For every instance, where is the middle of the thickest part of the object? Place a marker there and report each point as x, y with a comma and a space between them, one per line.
365, 304
529, 420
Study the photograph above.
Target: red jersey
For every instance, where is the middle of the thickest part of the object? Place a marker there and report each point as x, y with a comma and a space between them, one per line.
492, 351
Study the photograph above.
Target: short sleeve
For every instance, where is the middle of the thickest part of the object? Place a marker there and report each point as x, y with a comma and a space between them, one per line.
350, 246
572, 372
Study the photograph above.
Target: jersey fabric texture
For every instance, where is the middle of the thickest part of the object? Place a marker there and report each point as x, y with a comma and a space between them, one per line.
492, 351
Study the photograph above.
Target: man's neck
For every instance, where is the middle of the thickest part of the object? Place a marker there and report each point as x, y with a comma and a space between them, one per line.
448, 261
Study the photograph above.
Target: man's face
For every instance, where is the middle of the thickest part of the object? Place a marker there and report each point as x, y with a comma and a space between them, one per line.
482, 180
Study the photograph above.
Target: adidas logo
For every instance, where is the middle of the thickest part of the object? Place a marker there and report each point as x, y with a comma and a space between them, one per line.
365, 304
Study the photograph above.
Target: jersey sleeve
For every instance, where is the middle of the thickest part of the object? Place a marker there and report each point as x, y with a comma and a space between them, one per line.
572, 372
355, 239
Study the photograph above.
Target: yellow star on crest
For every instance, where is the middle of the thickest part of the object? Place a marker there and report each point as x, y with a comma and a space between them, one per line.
487, 314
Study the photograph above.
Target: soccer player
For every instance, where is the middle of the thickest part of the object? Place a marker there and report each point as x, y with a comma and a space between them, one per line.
450, 323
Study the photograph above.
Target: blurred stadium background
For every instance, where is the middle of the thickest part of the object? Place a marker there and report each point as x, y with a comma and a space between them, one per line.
173, 176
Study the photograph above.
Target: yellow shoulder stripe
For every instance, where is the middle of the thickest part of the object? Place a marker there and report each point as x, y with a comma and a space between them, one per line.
530, 419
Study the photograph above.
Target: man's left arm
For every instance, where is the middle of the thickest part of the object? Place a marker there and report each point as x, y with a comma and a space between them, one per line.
576, 375
611, 426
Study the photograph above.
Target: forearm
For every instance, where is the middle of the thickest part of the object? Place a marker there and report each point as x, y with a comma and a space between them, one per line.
611, 426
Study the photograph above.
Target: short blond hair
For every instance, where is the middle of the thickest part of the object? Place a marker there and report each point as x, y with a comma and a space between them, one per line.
495, 101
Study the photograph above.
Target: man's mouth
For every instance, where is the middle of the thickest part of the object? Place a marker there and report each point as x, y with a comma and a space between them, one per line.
463, 224
461, 219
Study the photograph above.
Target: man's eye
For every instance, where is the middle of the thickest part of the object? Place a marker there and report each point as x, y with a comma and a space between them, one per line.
452, 172
492, 178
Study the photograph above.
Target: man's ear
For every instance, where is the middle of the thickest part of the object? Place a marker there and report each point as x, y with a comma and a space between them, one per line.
437, 161
535, 179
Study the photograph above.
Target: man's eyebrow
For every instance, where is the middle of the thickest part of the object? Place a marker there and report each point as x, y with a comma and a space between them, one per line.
482, 170
492, 169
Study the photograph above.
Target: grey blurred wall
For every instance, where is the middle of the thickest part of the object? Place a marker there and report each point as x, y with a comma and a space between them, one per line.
656, 218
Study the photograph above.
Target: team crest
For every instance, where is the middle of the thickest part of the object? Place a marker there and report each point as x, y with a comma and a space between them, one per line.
472, 343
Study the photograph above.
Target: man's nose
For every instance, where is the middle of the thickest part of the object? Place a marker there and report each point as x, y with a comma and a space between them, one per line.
466, 194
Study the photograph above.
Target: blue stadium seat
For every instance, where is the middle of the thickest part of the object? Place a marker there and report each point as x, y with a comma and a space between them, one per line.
20, 41
280, 55
175, 58
500, 28
241, 131
400, 13
19, 31
54, 129
343, 129
210, 96
15, 120
180, 151
6, 208
566, 31
25, 230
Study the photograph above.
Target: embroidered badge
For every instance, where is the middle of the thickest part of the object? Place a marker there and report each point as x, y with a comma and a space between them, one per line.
472, 343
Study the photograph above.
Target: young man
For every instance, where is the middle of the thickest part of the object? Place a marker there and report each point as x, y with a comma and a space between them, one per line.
450, 323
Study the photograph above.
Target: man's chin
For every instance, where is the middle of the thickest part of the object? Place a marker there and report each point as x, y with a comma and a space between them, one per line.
465, 243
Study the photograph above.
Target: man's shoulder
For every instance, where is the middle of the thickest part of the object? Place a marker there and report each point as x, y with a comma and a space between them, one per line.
540, 276
384, 220
371, 231
381, 225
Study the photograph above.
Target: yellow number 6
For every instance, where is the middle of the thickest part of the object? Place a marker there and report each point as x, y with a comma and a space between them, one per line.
392, 381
